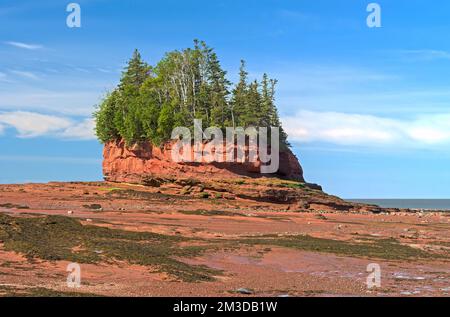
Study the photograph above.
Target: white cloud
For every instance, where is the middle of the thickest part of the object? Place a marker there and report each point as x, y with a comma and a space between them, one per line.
2, 75
25, 45
4, 78
59, 159
83, 130
25, 74
30, 124
368, 130
63, 102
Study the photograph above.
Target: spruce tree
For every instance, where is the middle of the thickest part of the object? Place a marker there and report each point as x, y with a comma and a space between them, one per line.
239, 98
105, 128
219, 91
252, 113
136, 71
274, 117
266, 102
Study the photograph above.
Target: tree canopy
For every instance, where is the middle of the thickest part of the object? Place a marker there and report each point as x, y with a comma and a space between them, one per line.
185, 85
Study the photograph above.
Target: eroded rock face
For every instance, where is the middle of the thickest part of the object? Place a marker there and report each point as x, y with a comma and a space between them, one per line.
135, 164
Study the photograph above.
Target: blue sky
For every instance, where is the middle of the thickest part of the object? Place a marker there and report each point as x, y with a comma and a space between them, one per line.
367, 109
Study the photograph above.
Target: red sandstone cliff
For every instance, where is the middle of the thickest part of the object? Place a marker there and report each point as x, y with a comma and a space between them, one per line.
135, 164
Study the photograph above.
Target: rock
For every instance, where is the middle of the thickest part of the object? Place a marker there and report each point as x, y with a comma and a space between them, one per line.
405, 293
321, 217
150, 165
244, 291
313, 186
96, 207
152, 181
280, 195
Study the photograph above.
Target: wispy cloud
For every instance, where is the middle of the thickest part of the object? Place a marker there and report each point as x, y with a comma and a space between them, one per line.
424, 55
4, 77
67, 103
25, 74
368, 130
58, 159
26, 46
83, 130
31, 124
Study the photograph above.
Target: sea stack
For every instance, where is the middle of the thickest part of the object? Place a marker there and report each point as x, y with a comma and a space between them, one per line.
137, 163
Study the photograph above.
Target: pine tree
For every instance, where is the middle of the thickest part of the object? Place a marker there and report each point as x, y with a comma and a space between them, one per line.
238, 103
266, 102
128, 119
274, 117
252, 114
219, 91
165, 123
150, 99
136, 71
104, 117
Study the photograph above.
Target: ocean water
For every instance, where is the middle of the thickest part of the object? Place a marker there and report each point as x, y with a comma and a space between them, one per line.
425, 204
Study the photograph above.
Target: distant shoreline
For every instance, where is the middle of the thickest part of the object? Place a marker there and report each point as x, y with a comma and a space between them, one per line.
413, 204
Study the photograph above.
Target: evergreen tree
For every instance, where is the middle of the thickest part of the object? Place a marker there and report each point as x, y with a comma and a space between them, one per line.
136, 71
252, 114
219, 91
266, 102
104, 117
165, 122
185, 85
239, 98
274, 117
150, 99
128, 120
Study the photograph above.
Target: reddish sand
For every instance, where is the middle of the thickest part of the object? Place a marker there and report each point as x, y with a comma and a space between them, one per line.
269, 271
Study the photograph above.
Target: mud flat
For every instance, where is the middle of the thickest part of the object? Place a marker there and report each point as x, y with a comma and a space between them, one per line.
185, 237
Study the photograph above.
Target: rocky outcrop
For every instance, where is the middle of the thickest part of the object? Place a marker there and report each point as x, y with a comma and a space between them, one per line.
137, 163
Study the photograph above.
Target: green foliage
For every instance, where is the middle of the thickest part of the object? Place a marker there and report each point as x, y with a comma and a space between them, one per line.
185, 85
105, 116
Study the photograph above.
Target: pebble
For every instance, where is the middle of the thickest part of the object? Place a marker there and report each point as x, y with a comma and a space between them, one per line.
405, 293
244, 291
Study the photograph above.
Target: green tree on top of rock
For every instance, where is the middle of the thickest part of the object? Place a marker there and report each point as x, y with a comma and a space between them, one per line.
184, 85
